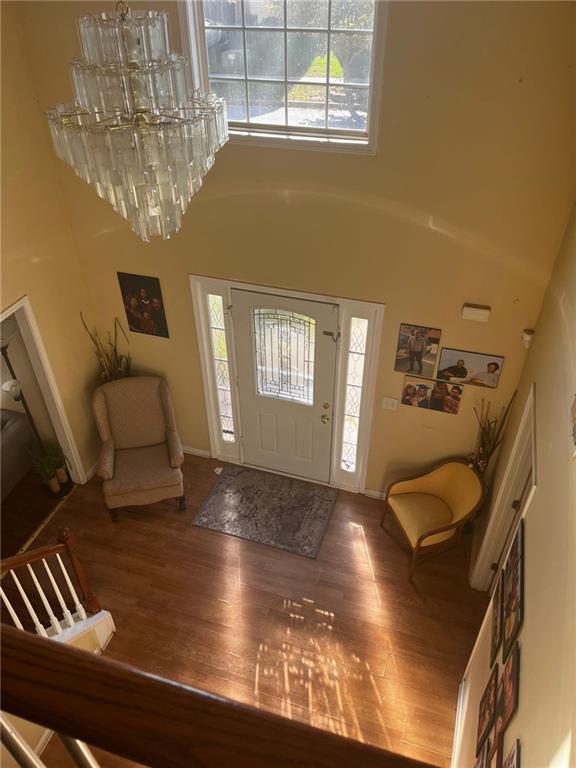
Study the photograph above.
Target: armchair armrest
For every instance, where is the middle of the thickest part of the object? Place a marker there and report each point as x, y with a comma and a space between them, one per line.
174, 448
106, 460
419, 484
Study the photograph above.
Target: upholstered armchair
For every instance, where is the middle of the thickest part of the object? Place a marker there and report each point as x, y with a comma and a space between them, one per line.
432, 508
141, 452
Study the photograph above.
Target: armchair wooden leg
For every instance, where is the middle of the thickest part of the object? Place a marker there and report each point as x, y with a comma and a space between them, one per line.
182, 502
115, 517
415, 554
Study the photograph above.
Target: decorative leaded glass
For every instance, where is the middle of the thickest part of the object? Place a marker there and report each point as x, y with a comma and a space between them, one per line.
221, 369
354, 378
284, 345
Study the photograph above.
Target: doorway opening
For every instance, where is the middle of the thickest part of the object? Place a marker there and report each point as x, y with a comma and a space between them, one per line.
36, 436
289, 378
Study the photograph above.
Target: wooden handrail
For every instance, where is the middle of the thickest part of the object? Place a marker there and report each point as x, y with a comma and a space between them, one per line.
162, 723
31, 556
68, 544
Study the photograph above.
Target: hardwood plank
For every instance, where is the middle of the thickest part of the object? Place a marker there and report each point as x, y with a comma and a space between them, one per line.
213, 611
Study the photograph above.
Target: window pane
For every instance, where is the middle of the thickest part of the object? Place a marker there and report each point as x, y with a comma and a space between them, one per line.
234, 94
348, 108
354, 380
307, 13
264, 13
352, 52
225, 52
307, 105
265, 55
352, 14
284, 344
266, 103
307, 56
221, 370
225, 12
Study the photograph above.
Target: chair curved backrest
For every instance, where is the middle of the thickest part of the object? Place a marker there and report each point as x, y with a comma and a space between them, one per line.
135, 412
458, 485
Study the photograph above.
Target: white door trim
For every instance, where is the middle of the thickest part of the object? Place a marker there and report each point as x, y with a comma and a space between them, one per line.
30, 332
498, 526
227, 451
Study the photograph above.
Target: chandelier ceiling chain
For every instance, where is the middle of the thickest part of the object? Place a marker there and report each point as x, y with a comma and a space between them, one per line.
137, 131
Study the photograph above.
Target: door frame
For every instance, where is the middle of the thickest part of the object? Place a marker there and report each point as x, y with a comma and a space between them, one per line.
23, 313
347, 308
496, 535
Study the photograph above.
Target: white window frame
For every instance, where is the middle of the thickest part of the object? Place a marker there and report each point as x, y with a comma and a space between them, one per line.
193, 41
232, 451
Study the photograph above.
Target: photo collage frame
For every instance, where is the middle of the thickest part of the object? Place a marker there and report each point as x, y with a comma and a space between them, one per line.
435, 377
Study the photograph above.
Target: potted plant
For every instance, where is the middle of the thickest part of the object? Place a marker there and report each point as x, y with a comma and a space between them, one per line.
43, 465
59, 465
490, 435
113, 363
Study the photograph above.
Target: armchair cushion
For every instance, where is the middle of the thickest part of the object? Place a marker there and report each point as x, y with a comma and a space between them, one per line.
419, 513
142, 469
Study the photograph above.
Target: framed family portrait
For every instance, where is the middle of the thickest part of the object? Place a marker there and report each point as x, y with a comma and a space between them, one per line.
476, 368
496, 633
512, 759
417, 349
432, 395
510, 686
487, 709
143, 304
513, 591
482, 759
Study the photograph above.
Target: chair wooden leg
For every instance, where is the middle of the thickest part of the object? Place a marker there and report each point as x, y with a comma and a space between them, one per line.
384, 515
182, 502
115, 517
413, 564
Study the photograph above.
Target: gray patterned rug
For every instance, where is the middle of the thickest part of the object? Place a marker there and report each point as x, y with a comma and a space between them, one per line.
269, 509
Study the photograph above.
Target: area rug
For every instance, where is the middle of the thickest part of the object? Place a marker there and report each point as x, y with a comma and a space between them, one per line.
270, 509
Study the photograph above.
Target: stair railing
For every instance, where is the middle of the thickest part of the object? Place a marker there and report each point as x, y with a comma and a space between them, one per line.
58, 591
158, 722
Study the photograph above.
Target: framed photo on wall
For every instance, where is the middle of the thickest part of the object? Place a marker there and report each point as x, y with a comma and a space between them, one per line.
510, 686
496, 634
417, 349
487, 709
432, 395
143, 304
512, 759
513, 591
476, 368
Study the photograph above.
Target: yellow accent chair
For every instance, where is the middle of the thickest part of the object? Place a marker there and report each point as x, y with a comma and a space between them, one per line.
432, 508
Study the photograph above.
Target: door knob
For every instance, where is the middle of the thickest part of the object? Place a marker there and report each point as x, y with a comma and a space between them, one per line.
325, 418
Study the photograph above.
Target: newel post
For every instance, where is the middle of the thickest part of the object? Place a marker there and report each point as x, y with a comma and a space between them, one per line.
89, 599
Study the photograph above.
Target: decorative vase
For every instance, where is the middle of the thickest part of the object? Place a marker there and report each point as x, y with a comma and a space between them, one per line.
53, 484
62, 474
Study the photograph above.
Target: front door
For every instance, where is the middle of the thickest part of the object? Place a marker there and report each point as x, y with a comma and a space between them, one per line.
286, 364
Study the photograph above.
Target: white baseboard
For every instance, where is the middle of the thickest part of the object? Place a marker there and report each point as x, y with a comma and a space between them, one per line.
375, 494
196, 451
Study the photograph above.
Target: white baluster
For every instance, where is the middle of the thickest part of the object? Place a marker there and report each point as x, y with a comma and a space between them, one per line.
36, 621
53, 620
11, 611
77, 604
67, 615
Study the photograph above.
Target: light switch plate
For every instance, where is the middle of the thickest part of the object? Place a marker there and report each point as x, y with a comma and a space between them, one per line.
390, 403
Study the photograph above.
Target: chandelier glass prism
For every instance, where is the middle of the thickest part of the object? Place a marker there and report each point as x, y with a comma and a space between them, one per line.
137, 131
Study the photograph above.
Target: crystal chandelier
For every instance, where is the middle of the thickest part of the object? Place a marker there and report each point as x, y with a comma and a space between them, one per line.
136, 130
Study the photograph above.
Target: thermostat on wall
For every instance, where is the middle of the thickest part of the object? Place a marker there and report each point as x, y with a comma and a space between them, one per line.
478, 312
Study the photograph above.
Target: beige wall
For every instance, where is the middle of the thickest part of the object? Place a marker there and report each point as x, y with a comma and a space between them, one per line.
466, 200
38, 248
546, 718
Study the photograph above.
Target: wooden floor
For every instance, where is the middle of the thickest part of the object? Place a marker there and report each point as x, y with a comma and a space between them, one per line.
23, 511
343, 642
